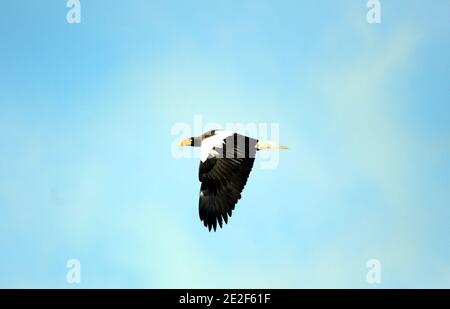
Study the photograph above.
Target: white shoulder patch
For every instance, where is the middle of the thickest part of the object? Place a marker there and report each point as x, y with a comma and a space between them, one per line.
215, 141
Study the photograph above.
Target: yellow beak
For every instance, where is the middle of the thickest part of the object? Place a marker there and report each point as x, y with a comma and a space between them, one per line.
185, 142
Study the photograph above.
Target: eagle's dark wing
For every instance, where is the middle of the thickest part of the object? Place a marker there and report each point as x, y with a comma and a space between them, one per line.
223, 178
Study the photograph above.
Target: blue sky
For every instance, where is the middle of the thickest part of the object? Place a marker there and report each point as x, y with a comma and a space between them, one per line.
86, 169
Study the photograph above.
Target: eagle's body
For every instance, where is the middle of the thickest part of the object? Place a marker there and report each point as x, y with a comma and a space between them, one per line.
226, 160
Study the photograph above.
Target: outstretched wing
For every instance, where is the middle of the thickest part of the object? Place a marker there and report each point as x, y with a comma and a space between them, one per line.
223, 176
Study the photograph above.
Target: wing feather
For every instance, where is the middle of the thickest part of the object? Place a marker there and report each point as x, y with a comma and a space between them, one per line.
224, 177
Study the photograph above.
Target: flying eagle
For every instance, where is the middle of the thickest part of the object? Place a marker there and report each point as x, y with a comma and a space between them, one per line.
226, 160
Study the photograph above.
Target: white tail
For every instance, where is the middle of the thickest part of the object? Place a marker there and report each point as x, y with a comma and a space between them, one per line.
269, 145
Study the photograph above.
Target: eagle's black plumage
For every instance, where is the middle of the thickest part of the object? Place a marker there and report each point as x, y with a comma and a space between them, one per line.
226, 160
223, 177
